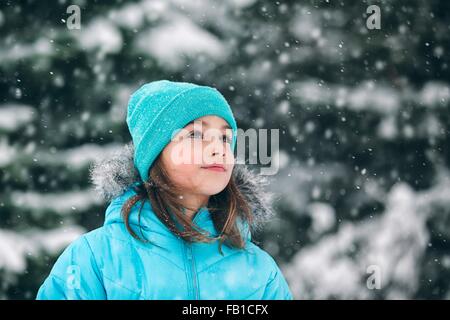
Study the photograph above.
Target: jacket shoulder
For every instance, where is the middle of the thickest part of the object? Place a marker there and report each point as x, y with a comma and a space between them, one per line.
263, 258
88, 268
276, 287
75, 274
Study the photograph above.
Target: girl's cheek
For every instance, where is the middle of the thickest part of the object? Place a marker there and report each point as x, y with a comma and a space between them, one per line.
184, 175
197, 150
229, 158
182, 153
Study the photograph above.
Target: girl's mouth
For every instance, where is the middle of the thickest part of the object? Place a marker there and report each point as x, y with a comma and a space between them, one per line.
215, 167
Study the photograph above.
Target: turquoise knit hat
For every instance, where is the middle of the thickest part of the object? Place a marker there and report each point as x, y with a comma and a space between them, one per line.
159, 108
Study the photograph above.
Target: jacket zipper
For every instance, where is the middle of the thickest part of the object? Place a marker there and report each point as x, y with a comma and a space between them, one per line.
192, 272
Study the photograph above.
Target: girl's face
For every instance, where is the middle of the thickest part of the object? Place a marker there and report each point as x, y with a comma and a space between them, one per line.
199, 160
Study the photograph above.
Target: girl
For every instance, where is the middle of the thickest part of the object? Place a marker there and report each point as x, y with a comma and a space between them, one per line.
181, 214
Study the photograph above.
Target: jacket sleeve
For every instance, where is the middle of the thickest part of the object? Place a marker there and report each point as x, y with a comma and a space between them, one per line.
74, 276
277, 287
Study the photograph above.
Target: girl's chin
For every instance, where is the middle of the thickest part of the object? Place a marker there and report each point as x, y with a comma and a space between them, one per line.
212, 189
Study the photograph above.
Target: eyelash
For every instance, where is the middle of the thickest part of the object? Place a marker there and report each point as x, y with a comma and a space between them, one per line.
192, 135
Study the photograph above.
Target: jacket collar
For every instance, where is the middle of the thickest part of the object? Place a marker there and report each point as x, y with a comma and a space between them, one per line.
115, 179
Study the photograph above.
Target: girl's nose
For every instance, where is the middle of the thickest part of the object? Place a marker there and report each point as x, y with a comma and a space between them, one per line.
218, 153
218, 148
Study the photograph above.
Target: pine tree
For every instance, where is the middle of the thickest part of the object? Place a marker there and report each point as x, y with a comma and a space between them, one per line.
363, 117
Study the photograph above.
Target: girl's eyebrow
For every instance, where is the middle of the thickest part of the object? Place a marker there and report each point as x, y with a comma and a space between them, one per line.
226, 126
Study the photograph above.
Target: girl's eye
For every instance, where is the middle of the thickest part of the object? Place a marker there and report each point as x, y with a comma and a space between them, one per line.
226, 139
195, 134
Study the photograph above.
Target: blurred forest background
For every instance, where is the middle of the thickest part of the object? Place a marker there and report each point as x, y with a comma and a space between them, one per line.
364, 119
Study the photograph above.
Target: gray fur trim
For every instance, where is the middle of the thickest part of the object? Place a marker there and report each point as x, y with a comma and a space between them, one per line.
112, 176
253, 187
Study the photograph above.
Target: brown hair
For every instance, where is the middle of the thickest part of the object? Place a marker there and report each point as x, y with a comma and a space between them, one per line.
225, 207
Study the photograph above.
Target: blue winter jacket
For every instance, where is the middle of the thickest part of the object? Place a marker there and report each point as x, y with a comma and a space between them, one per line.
108, 263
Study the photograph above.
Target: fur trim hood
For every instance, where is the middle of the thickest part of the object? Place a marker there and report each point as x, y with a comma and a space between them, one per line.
111, 177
